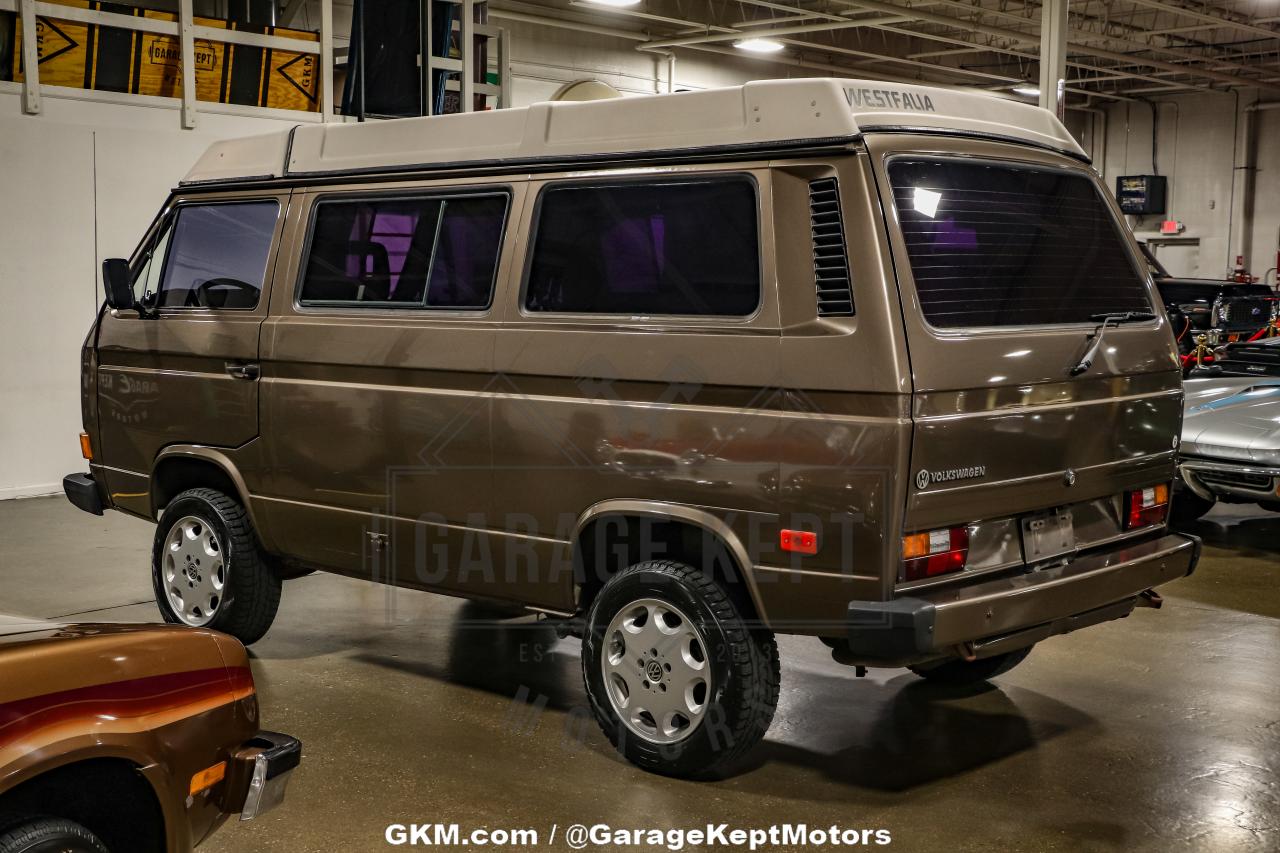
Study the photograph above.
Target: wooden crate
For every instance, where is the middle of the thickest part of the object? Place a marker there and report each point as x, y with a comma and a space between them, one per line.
113, 59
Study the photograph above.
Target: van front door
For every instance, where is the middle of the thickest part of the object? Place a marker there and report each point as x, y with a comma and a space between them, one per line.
186, 372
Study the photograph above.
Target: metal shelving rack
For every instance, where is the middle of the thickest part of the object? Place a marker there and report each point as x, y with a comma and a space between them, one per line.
463, 66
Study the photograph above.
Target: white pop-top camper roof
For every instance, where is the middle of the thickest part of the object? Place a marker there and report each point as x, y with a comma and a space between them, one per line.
765, 113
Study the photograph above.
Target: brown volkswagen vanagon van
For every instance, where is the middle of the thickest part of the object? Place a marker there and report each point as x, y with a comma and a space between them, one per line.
874, 363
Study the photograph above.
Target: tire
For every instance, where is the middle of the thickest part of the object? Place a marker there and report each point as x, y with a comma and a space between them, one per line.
1188, 507
217, 576
961, 673
1270, 506
50, 835
739, 670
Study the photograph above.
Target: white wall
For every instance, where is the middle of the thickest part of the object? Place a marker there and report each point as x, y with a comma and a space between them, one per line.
1200, 149
78, 183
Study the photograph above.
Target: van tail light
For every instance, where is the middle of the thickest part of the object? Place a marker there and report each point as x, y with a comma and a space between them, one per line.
86, 447
936, 552
1145, 507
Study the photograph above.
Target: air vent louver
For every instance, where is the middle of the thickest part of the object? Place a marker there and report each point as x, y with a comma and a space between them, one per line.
830, 259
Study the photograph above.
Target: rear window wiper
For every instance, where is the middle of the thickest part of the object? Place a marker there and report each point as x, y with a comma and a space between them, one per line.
1105, 320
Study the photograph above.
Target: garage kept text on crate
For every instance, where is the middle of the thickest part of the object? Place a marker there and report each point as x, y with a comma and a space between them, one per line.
113, 59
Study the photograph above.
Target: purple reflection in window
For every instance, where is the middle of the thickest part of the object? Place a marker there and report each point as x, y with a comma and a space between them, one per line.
634, 254
949, 236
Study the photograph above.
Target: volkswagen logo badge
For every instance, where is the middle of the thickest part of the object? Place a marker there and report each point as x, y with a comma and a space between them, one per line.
1069, 477
922, 478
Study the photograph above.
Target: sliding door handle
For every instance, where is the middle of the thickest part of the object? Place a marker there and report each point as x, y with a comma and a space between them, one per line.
240, 370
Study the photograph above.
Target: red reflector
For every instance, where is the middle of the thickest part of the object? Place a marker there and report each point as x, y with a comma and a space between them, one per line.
1146, 507
940, 552
799, 541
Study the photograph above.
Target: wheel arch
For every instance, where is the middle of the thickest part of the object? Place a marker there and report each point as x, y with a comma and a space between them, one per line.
140, 817
674, 520
186, 466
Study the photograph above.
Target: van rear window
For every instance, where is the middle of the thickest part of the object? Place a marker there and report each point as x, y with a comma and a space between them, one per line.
1001, 245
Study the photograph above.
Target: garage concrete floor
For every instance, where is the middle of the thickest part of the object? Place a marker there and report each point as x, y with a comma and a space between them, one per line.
1157, 732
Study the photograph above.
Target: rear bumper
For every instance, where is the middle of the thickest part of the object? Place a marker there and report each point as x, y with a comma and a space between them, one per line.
82, 491
260, 772
1011, 612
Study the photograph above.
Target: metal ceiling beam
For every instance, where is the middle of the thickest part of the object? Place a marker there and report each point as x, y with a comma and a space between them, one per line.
515, 12
1028, 39
1100, 53
1033, 57
1079, 36
1243, 26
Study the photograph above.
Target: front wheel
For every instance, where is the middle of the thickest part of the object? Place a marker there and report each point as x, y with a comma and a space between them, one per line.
208, 569
50, 835
963, 673
678, 681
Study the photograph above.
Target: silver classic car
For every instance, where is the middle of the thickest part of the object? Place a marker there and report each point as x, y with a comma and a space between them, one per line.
1231, 431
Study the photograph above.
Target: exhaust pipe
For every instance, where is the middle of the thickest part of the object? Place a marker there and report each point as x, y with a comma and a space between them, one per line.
1150, 598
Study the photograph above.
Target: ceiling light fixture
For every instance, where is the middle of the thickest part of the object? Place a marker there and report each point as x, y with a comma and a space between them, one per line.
758, 45
1029, 91
618, 4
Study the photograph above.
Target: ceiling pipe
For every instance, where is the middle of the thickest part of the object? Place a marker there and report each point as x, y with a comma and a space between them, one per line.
826, 26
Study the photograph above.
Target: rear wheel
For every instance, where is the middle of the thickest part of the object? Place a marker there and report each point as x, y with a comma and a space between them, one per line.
208, 569
963, 673
678, 681
50, 835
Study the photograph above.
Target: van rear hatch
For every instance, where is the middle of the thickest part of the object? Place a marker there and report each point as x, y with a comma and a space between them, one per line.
1005, 258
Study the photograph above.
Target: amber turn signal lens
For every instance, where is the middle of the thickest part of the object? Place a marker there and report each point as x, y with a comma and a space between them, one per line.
936, 552
208, 777
86, 449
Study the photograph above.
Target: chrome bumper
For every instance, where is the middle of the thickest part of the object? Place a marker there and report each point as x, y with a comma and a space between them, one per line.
260, 772
1213, 479
1010, 612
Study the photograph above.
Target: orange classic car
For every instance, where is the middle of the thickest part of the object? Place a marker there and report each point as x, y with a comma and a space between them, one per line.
129, 738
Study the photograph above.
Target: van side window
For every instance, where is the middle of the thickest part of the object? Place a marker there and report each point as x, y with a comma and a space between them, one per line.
217, 255
654, 248
405, 253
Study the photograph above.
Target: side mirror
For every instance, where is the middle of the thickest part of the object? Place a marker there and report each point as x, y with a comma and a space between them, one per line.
117, 281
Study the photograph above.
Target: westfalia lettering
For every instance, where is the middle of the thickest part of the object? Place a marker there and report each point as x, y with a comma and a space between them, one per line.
888, 99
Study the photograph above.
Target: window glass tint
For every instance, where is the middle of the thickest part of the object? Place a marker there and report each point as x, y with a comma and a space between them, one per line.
996, 245
428, 252
218, 255
667, 248
466, 256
